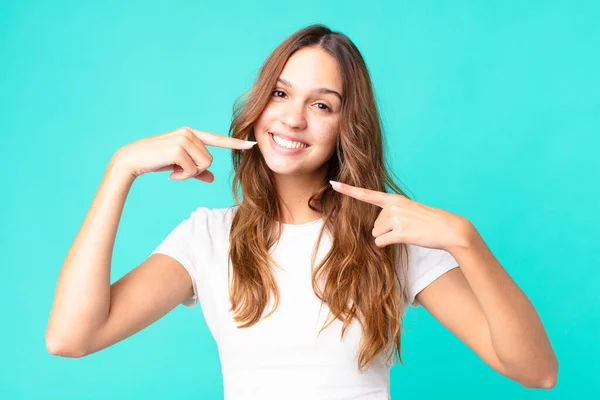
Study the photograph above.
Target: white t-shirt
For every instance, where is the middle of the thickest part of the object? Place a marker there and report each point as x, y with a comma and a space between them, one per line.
281, 357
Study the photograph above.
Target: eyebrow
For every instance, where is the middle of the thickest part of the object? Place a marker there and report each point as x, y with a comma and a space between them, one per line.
318, 90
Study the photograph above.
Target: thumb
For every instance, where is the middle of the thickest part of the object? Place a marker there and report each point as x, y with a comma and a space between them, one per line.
205, 176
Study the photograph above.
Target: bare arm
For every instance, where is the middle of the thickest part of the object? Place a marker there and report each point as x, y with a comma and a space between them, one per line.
82, 302
139, 298
89, 314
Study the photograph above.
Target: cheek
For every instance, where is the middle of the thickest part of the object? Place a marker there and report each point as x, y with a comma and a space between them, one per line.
264, 119
269, 113
327, 133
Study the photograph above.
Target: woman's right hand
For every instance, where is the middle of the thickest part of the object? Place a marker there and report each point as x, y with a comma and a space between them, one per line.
182, 150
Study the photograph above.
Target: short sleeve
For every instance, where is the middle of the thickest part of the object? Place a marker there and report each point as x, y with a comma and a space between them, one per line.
425, 265
181, 244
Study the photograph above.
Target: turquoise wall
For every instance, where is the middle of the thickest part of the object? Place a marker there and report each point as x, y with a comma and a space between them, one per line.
491, 110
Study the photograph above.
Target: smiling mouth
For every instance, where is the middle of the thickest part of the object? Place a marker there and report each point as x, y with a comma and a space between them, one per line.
288, 144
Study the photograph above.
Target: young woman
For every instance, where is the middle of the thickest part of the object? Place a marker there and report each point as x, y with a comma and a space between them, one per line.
304, 282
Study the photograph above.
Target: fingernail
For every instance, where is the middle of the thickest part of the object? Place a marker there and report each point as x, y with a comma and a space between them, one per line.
335, 184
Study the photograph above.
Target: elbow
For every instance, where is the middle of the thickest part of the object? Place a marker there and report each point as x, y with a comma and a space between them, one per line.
552, 377
547, 382
62, 348
550, 382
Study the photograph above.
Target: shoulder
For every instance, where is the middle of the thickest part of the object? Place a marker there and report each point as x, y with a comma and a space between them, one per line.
210, 220
425, 265
212, 215
203, 230
419, 255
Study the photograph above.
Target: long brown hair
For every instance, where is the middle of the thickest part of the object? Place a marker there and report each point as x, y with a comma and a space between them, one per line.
360, 279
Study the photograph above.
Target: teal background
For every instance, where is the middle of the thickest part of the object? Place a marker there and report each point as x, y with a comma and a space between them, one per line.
491, 110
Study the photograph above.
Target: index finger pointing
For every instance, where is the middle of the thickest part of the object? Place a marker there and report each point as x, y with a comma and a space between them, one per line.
367, 195
213, 139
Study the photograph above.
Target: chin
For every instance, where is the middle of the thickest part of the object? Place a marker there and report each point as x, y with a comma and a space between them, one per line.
279, 169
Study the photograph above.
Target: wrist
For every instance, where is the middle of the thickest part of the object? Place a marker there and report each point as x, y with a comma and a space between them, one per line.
464, 236
116, 168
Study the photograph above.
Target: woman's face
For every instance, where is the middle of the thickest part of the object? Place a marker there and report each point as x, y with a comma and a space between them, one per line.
305, 105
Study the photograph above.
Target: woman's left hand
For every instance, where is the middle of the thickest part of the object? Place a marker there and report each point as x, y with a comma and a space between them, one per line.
402, 220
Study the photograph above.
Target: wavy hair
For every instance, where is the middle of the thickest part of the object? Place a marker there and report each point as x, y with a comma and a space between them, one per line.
359, 279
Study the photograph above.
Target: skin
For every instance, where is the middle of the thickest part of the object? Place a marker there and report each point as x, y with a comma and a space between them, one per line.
497, 320
478, 302
311, 116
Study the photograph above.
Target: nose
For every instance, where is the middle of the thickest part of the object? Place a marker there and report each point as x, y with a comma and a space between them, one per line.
293, 115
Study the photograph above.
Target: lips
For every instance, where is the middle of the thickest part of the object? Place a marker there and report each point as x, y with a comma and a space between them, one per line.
288, 137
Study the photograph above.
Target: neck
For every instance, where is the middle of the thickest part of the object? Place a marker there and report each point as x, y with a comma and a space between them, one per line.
294, 192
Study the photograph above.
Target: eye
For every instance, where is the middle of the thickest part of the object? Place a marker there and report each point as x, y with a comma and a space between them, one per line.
327, 109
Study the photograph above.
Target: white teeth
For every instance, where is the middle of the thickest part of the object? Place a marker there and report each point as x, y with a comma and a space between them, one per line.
288, 143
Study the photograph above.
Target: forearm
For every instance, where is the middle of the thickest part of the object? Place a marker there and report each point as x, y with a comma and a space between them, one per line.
82, 298
517, 332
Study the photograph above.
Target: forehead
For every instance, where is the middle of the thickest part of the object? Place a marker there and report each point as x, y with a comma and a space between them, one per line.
312, 67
